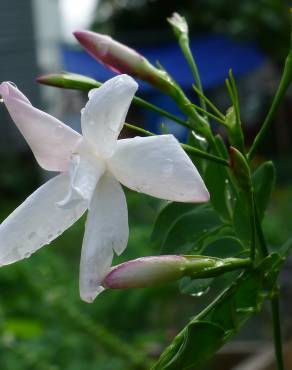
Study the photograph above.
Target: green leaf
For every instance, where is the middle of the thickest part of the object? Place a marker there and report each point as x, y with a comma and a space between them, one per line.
264, 182
166, 217
202, 335
189, 228
241, 218
222, 319
223, 247
286, 248
220, 185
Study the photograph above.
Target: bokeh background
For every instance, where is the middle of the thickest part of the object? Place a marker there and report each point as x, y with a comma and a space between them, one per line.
43, 323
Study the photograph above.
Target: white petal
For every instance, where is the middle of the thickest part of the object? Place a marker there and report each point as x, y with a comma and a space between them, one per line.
158, 166
37, 221
106, 230
85, 171
104, 115
51, 141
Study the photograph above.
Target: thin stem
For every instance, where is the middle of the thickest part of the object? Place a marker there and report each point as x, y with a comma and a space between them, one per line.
187, 148
209, 103
143, 103
277, 331
274, 300
210, 115
282, 88
185, 47
139, 129
199, 153
213, 269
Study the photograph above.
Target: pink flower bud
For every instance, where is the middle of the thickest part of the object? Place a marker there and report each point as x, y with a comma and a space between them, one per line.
147, 271
144, 272
122, 59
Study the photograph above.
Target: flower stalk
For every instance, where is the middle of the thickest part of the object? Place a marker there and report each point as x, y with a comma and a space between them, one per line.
181, 31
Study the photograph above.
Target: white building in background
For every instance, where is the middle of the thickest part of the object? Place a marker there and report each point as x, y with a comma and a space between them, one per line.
31, 33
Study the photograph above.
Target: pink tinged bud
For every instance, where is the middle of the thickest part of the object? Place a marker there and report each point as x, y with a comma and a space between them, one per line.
146, 271
122, 59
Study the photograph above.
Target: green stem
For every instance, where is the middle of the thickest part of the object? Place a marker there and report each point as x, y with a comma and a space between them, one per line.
211, 266
209, 103
185, 47
274, 300
199, 153
187, 148
139, 129
277, 331
210, 115
282, 88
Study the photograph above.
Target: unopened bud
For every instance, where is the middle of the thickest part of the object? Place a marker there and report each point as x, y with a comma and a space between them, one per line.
148, 271
240, 169
69, 81
122, 59
145, 271
179, 25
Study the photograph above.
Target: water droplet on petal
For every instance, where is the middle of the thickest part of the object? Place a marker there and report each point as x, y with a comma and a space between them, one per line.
83, 109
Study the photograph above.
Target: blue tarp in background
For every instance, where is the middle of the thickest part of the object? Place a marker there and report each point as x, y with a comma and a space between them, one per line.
214, 54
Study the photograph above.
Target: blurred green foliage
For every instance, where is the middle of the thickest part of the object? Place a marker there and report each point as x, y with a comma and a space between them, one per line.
45, 326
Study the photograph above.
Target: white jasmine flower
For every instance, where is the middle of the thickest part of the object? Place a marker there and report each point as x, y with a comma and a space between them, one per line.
91, 169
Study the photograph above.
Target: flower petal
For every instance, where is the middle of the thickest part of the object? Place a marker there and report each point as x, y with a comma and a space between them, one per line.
158, 166
37, 221
104, 115
50, 140
85, 171
106, 231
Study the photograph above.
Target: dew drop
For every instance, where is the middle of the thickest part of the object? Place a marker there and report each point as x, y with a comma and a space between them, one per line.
32, 235
59, 131
201, 292
83, 109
